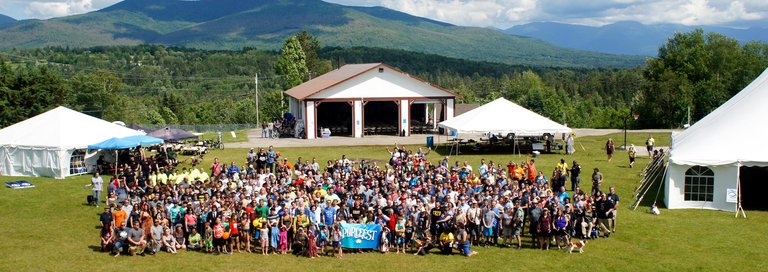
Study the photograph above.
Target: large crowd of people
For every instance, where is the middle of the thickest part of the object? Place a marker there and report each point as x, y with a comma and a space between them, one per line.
270, 205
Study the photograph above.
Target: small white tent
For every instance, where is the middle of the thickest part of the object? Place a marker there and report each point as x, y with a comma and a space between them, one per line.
705, 159
43, 145
502, 116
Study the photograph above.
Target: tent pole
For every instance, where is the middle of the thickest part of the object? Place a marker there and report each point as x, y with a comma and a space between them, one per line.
116, 162
738, 193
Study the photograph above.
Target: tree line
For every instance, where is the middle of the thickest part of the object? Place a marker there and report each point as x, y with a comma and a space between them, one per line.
153, 84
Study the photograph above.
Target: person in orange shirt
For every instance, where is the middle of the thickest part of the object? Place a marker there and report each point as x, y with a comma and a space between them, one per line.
519, 173
531, 167
287, 164
119, 216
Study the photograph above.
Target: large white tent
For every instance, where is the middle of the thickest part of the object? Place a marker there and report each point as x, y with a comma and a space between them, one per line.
706, 158
43, 145
502, 116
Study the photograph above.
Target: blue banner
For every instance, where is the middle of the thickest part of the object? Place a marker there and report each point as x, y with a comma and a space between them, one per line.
360, 235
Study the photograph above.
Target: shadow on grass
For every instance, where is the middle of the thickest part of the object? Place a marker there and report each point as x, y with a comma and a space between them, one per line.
95, 248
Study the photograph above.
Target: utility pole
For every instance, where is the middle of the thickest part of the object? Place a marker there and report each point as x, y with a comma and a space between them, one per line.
256, 94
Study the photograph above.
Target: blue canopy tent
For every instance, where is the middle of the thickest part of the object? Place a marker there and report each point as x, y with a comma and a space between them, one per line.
113, 144
145, 140
125, 142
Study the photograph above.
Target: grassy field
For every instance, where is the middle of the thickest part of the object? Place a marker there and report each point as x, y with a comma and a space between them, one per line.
50, 228
226, 136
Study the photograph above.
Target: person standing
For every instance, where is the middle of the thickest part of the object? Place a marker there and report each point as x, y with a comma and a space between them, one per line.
98, 186
649, 144
597, 179
610, 147
261, 159
263, 130
604, 210
614, 199
271, 157
570, 148
563, 177
632, 152
575, 175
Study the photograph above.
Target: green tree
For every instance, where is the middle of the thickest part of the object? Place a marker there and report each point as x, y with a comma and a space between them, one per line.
291, 64
697, 71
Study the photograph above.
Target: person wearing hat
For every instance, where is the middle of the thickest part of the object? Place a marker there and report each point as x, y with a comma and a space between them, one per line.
632, 152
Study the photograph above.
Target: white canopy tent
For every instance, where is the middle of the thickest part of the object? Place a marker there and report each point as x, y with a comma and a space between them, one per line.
719, 143
502, 116
43, 145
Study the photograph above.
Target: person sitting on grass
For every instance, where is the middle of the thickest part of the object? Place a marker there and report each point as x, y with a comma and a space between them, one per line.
179, 235
169, 241
136, 240
107, 238
121, 239
194, 241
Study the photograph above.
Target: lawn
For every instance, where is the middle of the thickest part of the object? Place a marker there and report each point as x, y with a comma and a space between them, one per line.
50, 228
226, 136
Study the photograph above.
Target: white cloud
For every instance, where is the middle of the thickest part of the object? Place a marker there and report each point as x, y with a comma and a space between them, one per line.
43, 9
504, 13
497, 13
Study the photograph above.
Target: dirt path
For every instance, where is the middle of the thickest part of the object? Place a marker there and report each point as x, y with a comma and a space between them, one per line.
255, 140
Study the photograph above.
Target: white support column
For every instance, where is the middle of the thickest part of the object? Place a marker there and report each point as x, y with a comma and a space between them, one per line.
358, 119
405, 116
311, 128
449, 107
435, 118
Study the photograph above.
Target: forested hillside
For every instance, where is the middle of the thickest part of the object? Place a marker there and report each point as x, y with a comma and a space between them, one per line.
159, 85
265, 24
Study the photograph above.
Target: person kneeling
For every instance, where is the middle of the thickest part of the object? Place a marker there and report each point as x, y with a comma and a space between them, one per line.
446, 241
462, 241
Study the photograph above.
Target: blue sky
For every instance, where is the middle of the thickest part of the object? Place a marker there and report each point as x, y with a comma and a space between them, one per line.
497, 13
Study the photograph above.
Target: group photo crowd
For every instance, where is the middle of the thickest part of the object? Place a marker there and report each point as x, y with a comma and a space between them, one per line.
269, 204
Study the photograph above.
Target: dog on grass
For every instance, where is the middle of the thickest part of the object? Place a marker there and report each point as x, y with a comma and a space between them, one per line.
579, 244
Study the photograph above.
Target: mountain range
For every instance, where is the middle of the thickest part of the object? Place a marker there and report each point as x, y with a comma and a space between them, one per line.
629, 37
265, 24
6, 19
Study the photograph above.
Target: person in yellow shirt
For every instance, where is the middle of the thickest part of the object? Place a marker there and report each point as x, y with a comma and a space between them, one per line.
320, 192
203, 176
446, 241
181, 176
153, 178
194, 174
563, 168
162, 178
172, 177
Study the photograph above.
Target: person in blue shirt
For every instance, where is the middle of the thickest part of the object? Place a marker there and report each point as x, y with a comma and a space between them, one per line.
233, 169
329, 215
271, 157
562, 195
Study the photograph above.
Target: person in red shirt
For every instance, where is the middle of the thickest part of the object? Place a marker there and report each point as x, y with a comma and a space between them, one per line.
234, 234
218, 236
391, 224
